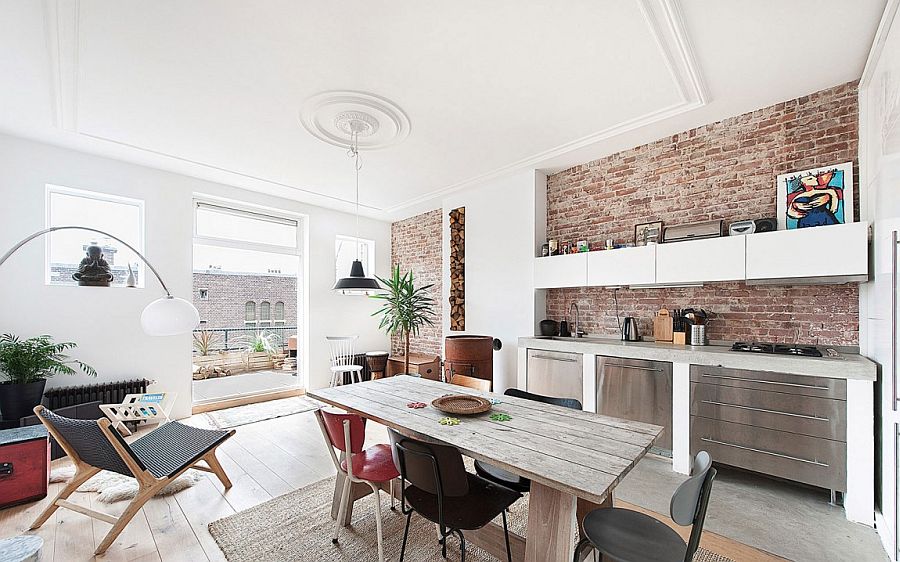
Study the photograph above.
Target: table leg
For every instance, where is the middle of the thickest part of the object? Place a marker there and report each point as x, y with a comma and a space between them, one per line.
551, 525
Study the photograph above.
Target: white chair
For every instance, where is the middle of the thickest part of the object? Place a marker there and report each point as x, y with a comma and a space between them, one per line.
342, 359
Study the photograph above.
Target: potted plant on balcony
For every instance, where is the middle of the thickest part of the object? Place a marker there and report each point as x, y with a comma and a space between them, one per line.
260, 348
27, 364
406, 308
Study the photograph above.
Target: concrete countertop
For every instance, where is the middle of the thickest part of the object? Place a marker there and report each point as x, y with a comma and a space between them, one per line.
849, 366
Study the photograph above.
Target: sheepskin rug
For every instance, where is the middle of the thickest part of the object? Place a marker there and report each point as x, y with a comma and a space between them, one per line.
114, 487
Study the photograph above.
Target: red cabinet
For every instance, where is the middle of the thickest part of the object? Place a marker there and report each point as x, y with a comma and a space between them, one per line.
24, 465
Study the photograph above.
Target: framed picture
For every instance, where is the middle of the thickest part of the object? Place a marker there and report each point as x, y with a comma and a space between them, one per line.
648, 232
816, 197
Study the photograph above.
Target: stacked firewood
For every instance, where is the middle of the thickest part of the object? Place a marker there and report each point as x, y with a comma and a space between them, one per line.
458, 269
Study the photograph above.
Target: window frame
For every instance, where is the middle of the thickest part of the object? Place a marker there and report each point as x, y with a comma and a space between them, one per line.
255, 313
50, 189
264, 318
276, 320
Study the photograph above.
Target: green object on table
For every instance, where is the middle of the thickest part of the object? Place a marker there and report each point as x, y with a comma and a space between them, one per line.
501, 417
449, 421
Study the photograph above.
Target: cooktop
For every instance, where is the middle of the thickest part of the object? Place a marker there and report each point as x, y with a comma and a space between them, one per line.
777, 348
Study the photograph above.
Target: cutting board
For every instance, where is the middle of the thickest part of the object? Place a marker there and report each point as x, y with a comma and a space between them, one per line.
662, 326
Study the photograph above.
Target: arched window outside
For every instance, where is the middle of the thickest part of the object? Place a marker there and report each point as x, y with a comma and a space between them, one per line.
265, 314
279, 313
250, 312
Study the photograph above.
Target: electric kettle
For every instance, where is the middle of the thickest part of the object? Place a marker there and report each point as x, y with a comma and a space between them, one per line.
630, 329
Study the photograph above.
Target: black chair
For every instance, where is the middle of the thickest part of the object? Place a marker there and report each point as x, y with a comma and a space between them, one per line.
441, 491
508, 479
629, 536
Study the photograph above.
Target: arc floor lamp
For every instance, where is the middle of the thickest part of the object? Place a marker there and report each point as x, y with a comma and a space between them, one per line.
166, 316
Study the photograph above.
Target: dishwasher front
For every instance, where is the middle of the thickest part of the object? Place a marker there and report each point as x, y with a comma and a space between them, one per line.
637, 390
555, 373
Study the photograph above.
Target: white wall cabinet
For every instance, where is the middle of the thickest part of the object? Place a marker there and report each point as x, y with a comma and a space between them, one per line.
625, 266
560, 271
700, 261
837, 253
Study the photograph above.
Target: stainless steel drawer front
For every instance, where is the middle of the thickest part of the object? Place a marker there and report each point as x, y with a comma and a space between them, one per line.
637, 390
554, 373
821, 387
805, 415
811, 460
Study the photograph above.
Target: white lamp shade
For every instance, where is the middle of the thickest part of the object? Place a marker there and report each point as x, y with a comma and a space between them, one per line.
169, 316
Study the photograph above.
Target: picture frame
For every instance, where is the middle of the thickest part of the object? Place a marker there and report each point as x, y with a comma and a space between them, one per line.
648, 232
815, 197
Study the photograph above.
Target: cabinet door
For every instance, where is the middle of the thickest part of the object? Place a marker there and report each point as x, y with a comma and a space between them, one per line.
554, 373
837, 251
625, 266
699, 261
560, 271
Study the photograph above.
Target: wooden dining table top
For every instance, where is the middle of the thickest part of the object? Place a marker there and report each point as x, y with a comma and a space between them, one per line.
577, 452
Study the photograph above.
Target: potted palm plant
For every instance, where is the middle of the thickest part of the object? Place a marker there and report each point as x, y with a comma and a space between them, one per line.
405, 309
27, 364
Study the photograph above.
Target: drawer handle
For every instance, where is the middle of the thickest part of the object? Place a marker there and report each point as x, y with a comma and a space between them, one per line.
634, 367
767, 411
551, 358
763, 451
798, 385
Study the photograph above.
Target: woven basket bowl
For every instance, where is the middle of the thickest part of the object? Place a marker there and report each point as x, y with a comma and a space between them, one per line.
462, 404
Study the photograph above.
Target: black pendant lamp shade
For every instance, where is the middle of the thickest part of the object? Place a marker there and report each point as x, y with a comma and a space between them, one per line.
357, 283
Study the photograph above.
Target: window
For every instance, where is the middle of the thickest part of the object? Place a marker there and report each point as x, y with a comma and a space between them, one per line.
204, 294
220, 222
346, 250
250, 312
119, 216
279, 313
265, 314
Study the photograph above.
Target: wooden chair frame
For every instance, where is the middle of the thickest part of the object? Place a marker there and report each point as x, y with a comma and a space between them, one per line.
148, 484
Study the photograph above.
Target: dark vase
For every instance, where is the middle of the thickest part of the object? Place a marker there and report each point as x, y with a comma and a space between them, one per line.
19, 400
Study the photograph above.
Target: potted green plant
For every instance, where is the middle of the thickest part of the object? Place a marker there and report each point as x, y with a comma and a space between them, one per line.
27, 364
406, 308
259, 348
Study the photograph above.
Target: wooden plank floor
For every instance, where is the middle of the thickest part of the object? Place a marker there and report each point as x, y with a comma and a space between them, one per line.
263, 460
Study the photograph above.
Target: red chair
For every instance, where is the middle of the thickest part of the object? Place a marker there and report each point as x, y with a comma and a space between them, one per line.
375, 465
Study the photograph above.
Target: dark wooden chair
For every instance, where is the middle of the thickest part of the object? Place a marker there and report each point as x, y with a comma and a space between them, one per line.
506, 478
630, 536
154, 460
440, 490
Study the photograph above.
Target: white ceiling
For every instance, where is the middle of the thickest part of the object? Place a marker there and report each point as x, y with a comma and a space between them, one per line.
213, 88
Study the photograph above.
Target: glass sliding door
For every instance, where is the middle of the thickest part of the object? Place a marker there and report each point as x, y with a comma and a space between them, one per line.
247, 272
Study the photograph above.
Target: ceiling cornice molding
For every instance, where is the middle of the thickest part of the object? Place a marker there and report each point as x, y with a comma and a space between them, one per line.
881, 35
664, 19
61, 18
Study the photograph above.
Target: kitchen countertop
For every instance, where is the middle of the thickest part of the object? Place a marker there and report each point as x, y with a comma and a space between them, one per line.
849, 366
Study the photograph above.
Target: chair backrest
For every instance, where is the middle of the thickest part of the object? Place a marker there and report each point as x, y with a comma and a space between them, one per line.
690, 500
88, 442
471, 382
436, 469
341, 348
333, 423
564, 402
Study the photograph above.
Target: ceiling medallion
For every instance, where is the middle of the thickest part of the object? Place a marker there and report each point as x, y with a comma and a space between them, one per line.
332, 116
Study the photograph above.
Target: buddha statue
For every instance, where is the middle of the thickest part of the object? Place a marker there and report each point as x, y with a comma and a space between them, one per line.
93, 271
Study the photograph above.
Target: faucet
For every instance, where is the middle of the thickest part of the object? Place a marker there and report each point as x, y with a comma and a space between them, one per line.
577, 332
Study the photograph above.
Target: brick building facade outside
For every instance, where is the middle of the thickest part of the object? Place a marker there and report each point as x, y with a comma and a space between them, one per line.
416, 246
224, 304
724, 170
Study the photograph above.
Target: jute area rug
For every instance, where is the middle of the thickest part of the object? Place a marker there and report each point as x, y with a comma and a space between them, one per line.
298, 526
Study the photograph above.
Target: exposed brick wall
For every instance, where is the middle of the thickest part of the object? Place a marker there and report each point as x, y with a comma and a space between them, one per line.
416, 245
723, 170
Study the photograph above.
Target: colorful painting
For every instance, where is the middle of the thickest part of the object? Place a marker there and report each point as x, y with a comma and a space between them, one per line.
816, 197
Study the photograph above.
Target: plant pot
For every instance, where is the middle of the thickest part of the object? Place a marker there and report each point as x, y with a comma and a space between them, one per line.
18, 400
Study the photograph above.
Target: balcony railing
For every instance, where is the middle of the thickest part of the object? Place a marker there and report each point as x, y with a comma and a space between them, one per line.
228, 339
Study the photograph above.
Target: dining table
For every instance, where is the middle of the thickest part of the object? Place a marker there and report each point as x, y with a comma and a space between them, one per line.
574, 458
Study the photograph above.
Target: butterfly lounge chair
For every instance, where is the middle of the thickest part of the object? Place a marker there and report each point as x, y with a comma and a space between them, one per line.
154, 460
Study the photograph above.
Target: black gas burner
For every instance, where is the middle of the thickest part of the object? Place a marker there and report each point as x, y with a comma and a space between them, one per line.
777, 349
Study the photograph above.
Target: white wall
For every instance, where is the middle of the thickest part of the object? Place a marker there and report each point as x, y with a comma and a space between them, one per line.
500, 296
880, 201
105, 322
